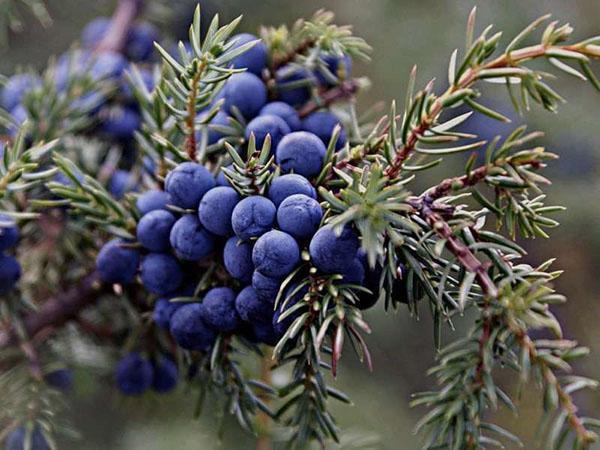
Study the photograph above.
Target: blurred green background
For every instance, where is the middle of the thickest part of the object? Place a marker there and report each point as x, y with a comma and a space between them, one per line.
402, 33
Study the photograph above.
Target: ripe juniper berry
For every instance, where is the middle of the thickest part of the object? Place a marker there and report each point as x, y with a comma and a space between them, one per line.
264, 125
302, 153
331, 253
322, 123
290, 184
215, 210
153, 230
219, 309
275, 254
151, 201
299, 215
283, 110
237, 257
160, 273
134, 374
255, 59
117, 263
253, 217
187, 183
246, 92
266, 287
190, 240
189, 329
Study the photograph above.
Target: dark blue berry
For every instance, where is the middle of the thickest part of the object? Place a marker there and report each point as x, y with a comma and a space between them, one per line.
253, 217
284, 186
61, 379
163, 311
94, 32
354, 273
134, 374
35, 441
160, 273
290, 298
140, 41
107, 66
301, 152
215, 210
189, 329
265, 333
154, 229
283, 110
16, 88
116, 263
251, 308
166, 375
338, 66
121, 182
187, 183
275, 254
152, 201
215, 131
322, 123
237, 257
246, 92
299, 215
255, 59
293, 85
9, 233
266, 287
190, 240
264, 125
219, 309
120, 122
331, 253
10, 272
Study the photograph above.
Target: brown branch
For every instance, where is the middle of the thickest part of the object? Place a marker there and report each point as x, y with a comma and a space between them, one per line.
465, 256
58, 310
291, 55
124, 15
345, 90
467, 79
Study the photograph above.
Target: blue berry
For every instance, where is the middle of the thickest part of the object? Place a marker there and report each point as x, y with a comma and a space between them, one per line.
134, 374
251, 308
354, 273
151, 201
187, 183
166, 375
116, 263
281, 326
154, 229
120, 122
94, 32
163, 311
221, 119
275, 254
190, 240
237, 257
215, 210
219, 309
253, 217
322, 123
339, 66
247, 92
221, 179
331, 253
120, 183
16, 88
284, 186
301, 152
10, 272
265, 333
266, 287
283, 110
9, 233
140, 42
267, 124
288, 91
107, 65
160, 273
189, 329
299, 215
61, 379
255, 59
36, 441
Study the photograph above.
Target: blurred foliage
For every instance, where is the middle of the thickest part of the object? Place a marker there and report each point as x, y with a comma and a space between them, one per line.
401, 33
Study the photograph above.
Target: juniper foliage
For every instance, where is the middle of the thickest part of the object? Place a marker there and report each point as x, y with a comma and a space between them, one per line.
451, 247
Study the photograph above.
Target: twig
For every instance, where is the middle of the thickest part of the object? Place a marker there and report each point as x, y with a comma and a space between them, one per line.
124, 15
55, 311
345, 90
